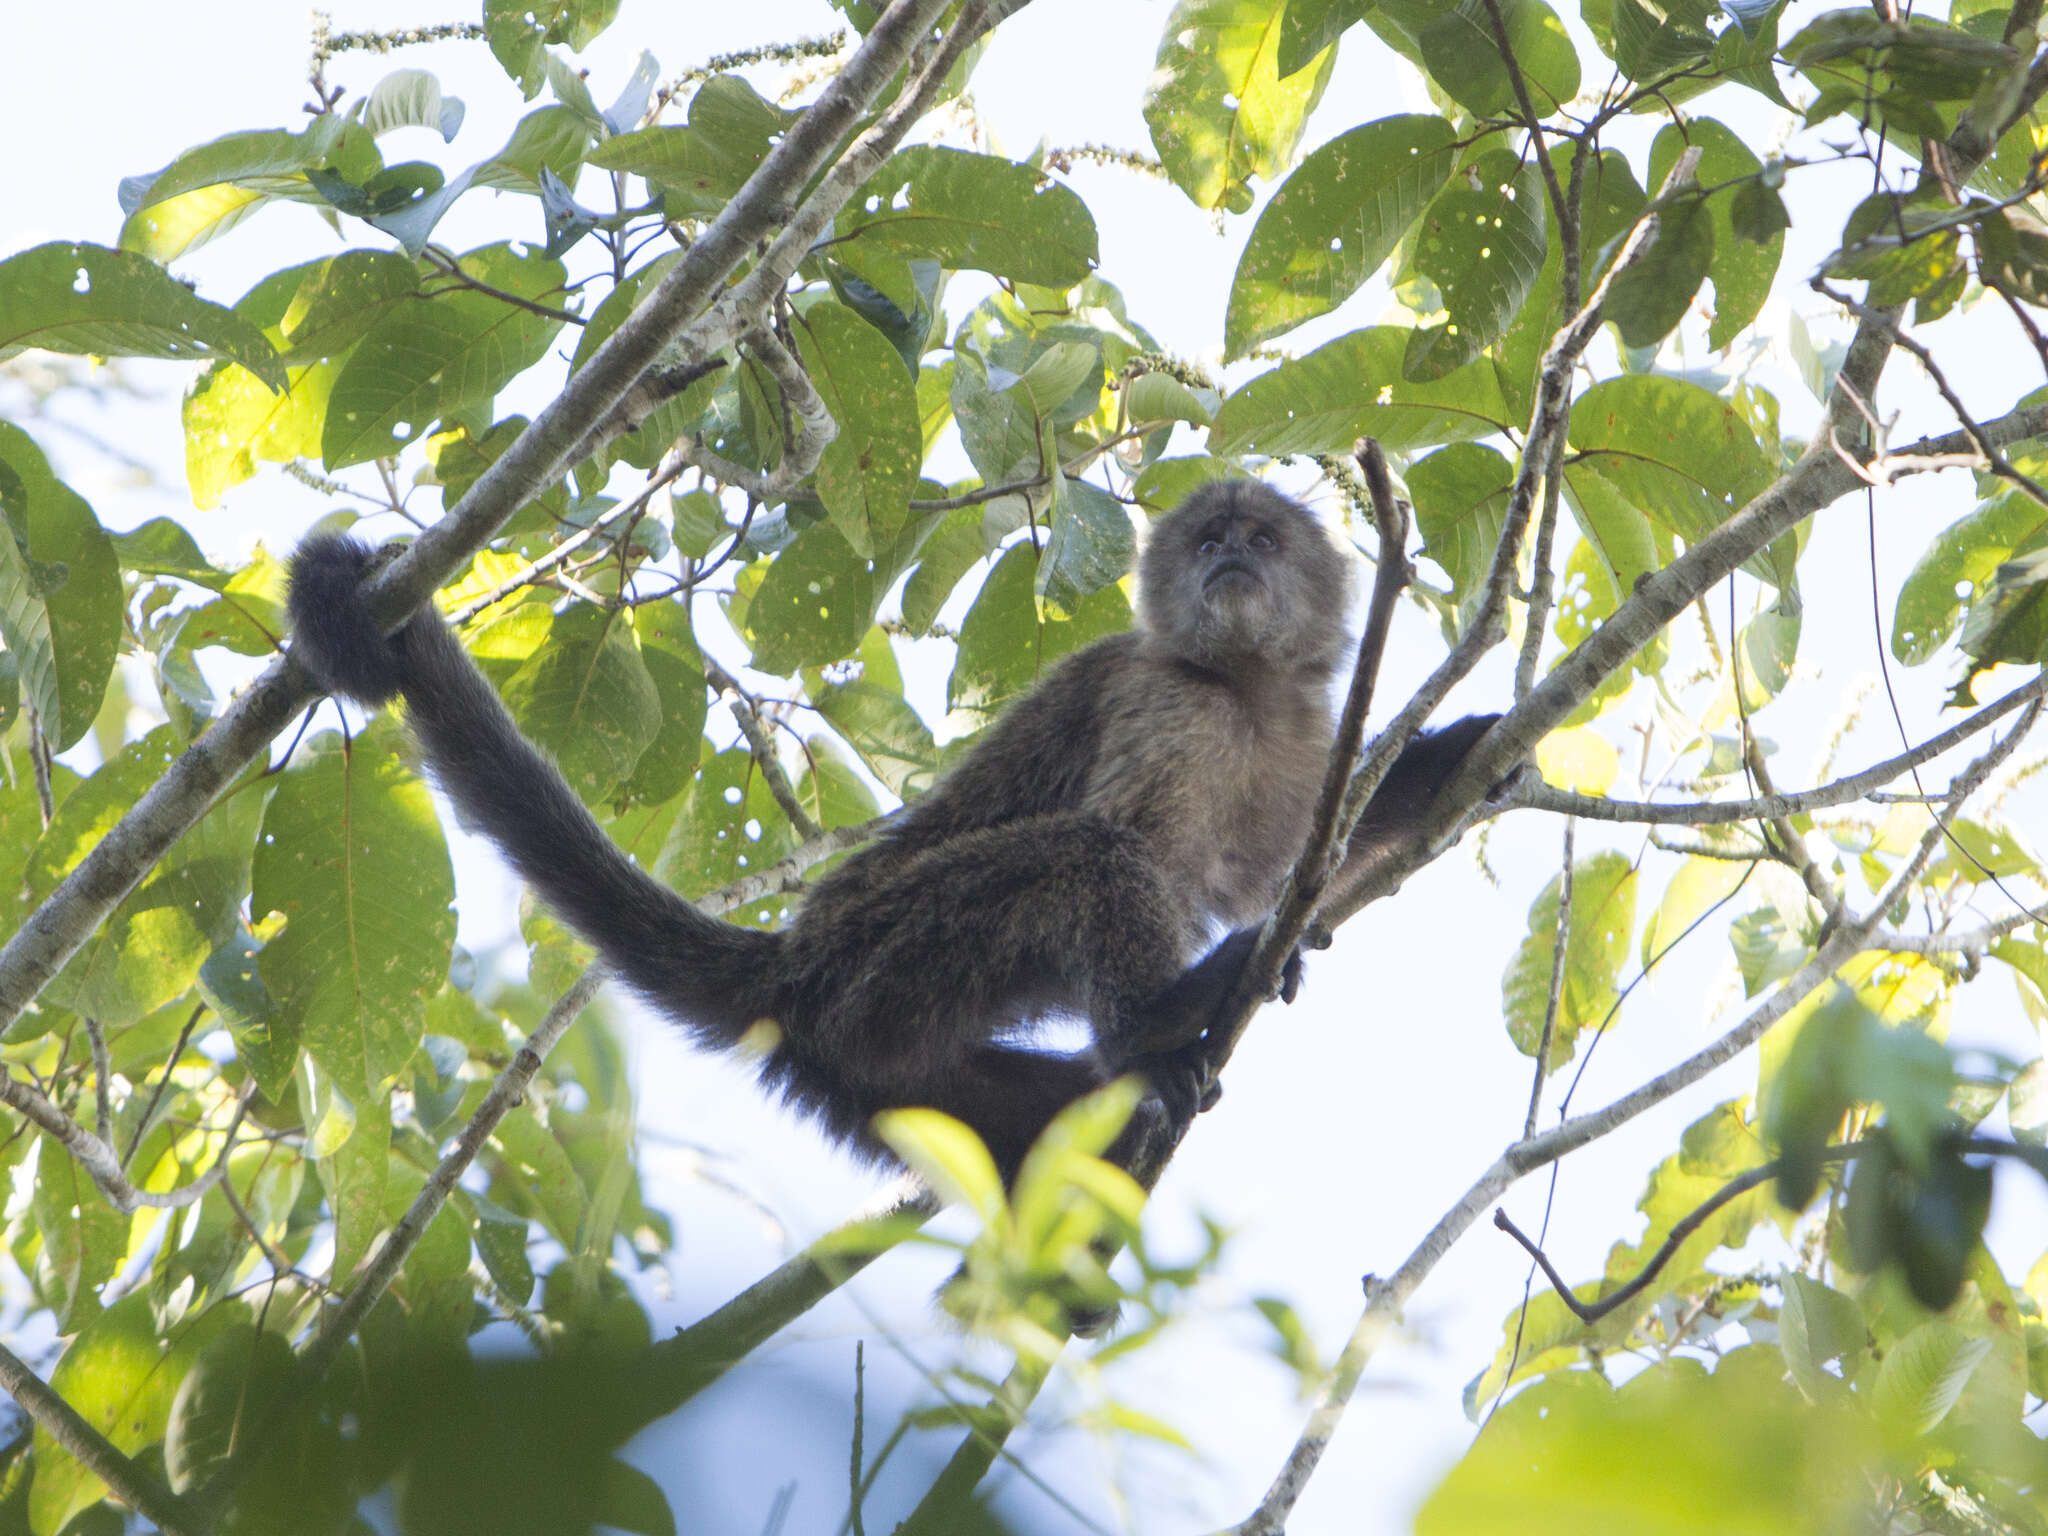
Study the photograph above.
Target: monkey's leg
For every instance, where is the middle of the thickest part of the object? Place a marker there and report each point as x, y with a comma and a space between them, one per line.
903, 985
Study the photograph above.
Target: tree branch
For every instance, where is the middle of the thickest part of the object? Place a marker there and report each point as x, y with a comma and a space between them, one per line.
1530, 791
139, 1489
539, 456
1385, 1299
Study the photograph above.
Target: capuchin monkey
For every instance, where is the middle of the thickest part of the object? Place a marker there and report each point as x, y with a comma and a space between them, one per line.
1153, 786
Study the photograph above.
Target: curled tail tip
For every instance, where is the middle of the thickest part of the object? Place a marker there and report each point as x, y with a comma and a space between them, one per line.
335, 638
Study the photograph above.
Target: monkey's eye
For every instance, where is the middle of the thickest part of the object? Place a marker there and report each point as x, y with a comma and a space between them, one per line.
1263, 541
1209, 546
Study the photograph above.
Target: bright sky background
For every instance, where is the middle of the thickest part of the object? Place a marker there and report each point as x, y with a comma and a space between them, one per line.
1350, 1122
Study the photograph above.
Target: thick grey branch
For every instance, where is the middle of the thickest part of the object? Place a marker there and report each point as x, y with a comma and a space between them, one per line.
538, 457
95, 1452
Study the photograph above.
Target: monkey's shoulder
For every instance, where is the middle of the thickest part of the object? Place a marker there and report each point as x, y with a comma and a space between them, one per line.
1038, 756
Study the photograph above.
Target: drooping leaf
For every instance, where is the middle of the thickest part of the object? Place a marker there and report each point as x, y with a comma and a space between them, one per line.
353, 856
60, 591
587, 698
1601, 924
870, 468
814, 605
1462, 53
1482, 242
1742, 267
121, 1376
151, 948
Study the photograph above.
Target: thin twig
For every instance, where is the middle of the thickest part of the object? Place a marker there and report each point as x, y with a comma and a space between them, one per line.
762, 745
1532, 792
1559, 951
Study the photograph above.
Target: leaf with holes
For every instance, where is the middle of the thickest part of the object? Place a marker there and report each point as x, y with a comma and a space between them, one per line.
1482, 242
66, 297
870, 468
1219, 109
441, 359
978, 212
1602, 921
1352, 387
352, 855
1332, 223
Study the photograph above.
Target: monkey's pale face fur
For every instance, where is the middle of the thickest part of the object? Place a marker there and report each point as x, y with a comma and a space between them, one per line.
1240, 575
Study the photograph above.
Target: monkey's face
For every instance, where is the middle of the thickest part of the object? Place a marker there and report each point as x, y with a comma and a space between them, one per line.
1239, 572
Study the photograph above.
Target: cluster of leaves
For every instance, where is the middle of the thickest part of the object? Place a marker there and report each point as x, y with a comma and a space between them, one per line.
282, 997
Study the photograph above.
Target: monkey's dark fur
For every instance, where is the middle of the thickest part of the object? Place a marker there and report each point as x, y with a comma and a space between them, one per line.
1153, 785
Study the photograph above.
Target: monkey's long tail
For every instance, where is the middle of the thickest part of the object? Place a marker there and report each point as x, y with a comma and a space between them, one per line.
715, 977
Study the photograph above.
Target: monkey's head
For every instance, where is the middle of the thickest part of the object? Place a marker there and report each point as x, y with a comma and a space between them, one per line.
1239, 572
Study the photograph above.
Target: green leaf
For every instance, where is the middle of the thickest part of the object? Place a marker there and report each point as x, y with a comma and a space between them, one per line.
889, 737
441, 359
668, 651
1461, 501
232, 420
1005, 643
731, 130
974, 211
949, 1156
1482, 242
1332, 223
1924, 1373
60, 591
66, 297
1462, 53
120, 1375
353, 1143
1603, 916
1092, 544
1307, 27
212, 187
815, 603
1565, 1456
2008, 619
869, 470
629, 1500
353, 856
411, 98
1219, 110
1654, 38
731, 826
1815, 1325
1958, 566
84, 1238
1742, 267
500, 1239
1353, 387
552, 139
241, 1379
519, 30
1682, 455
151, 948
587, 699
1647, 302
545, 1181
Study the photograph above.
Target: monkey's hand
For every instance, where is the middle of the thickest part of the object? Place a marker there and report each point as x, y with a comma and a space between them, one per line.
336, 639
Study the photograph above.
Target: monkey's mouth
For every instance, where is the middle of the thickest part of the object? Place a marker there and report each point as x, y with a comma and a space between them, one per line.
1228, 568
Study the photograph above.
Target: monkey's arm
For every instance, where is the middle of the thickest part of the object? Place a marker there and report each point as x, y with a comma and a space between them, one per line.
1397, 807
713, 975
